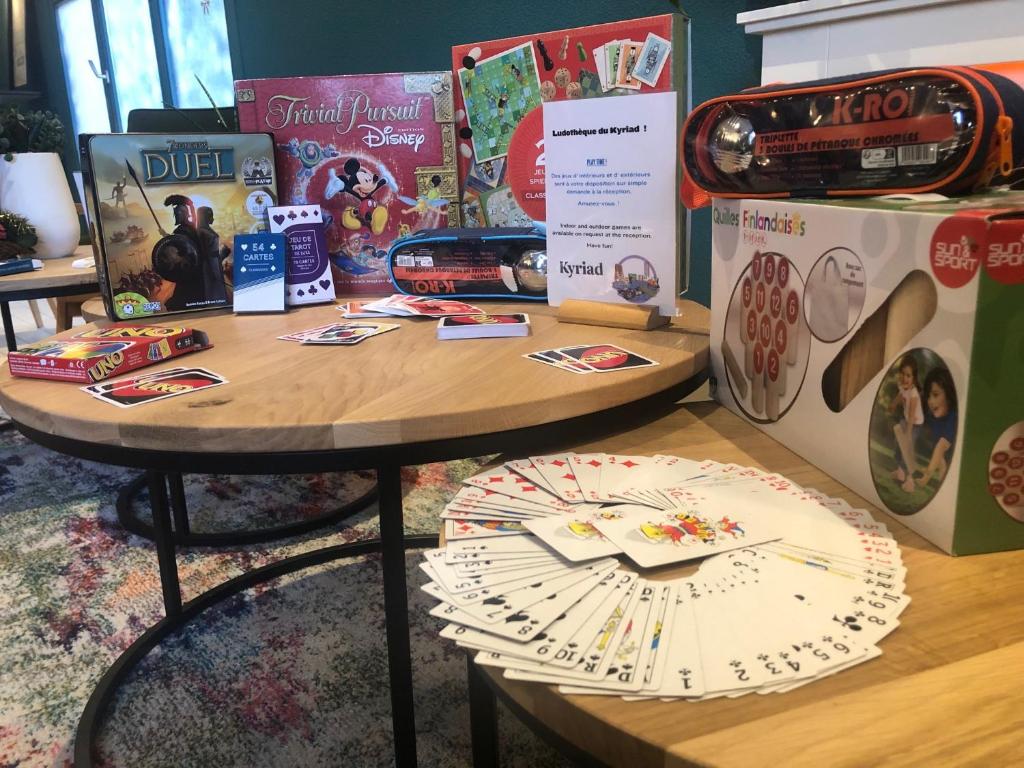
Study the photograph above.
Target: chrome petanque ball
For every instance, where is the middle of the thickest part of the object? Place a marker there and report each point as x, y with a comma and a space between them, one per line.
732, 144
532, 271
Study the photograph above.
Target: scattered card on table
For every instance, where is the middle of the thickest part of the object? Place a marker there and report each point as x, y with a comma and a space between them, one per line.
566, 364
349, 333
602, 358
651, 538
150, 389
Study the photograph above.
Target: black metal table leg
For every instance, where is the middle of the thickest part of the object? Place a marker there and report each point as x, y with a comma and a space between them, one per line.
164, 538
396, 614
5, 314
179, 509
483, 717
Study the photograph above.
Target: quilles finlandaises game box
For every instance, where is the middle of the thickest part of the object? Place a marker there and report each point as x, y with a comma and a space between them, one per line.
883, 340
500, 86
164, 210
375, 152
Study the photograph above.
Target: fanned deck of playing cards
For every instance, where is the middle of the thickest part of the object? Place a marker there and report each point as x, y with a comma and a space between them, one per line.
792, 585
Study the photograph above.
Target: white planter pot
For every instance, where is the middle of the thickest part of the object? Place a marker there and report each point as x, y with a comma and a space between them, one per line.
33, 185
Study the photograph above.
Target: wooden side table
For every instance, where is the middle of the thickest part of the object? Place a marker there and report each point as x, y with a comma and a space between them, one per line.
57, 278
947, 689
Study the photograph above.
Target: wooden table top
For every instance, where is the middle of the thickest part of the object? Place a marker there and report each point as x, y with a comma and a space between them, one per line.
404, 386
947, 690
56, 273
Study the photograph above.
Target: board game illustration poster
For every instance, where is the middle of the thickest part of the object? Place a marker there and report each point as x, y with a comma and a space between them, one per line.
166, 209
375, 152
500, 86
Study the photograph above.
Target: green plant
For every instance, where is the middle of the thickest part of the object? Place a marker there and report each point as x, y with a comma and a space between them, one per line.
29, 132
16, 231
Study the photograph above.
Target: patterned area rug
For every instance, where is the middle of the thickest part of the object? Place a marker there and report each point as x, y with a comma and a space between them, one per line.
290, 673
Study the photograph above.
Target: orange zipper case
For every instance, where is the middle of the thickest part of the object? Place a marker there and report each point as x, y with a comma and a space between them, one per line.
950, 130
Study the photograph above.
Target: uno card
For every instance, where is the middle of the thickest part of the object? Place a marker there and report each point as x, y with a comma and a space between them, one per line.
357, 309
308, 333
349, 333
147, 390
604, 358
441, 308
558, 360
106, 386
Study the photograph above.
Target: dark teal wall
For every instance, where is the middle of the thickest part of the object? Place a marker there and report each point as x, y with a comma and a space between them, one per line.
319, 37
271, 38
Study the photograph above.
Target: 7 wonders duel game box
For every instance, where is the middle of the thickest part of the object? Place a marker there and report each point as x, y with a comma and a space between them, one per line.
164, 211
375, 152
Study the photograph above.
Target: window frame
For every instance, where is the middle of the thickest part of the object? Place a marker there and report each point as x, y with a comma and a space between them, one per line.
105, 64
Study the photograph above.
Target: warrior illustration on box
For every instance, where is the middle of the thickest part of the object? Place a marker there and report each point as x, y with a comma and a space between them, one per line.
118, 194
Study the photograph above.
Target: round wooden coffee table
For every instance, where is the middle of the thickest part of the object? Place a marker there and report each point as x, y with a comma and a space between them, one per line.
57, 278
402, 398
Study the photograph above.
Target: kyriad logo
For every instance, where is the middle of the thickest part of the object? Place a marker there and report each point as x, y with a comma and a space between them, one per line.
956, 250
1004, 260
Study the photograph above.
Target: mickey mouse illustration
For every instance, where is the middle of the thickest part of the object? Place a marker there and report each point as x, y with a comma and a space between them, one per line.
362, 185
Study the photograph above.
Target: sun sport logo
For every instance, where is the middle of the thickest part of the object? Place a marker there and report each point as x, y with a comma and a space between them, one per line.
1004, 261
955, 251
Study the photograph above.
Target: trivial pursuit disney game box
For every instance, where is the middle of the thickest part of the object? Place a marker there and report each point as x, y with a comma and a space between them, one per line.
375, 152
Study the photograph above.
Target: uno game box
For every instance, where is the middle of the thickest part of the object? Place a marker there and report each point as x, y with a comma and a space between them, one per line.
103, 353
883, 340
164, 210
500, 86
375, 152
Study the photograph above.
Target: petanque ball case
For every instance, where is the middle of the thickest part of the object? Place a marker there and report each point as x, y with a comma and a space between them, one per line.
472, 263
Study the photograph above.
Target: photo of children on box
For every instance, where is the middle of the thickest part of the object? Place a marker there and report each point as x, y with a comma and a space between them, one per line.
913, 431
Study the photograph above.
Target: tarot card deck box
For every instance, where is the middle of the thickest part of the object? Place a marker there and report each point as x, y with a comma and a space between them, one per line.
375, 152
883, 340
501, 84
164, 210
104, 353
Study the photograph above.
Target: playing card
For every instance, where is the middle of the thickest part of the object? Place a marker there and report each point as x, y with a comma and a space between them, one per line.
566, 365
476, 529
620, 473
550, 643
357, 309
558, 474
573, 535
504, 481
604, 358
107, 386
653, 537
526, 468
349, 333
150, 390
483, 326
525, 545
629, 663
651, 59
302, 335
475, 494
525, 615
587, 469
427, 307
